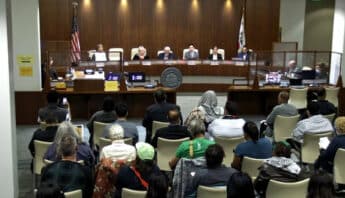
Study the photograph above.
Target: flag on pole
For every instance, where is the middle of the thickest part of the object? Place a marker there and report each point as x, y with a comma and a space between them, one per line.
241, 34
75, 45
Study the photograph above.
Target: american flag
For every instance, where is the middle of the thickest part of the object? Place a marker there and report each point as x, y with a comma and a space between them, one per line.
75, 45
241, 34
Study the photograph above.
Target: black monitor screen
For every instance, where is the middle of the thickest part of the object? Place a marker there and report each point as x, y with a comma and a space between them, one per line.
308, 74
136, 77
295, 81
113, 76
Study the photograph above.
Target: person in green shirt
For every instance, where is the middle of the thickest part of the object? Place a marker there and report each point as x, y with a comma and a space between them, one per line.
192, 148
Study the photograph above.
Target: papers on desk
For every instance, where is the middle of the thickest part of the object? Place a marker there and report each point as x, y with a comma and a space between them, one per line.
324, 142
111, 85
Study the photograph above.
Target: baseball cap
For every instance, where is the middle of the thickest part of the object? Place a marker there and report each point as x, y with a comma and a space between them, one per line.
145, 151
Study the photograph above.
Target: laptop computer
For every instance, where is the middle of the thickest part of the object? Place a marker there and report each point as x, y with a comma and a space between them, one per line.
273, 78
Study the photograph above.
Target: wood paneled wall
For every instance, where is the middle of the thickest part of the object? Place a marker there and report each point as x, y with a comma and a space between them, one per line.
156, 23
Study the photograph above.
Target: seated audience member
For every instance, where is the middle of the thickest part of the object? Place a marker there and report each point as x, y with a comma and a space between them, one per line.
254, 147
280, 167
216, 173
315, 123
208, 104
282, 109
84, 152
326, 158
100, 54
48, 190
67, 172
215, 56
192, 148
129, 128
118, 150
174, 130
325, 106
106, 115
158, 187
141, 55
230, 125
47, 134
321, 185
195, 114
157, 112
240, 185
137, 176
244, 54
52, 107
167, 54
192, 53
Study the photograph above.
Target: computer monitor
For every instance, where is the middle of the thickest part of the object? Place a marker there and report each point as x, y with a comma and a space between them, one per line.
308, 74
113, 76
136, 77
295, 81
273, 78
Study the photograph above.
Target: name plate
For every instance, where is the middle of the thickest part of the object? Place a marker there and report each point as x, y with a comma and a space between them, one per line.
214, 63
146, 63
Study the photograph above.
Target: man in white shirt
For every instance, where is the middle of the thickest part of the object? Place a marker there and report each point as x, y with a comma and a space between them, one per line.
315, 123
118, 150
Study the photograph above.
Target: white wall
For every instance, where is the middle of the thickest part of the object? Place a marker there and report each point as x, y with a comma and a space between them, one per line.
26, 41
292, 14
8, 165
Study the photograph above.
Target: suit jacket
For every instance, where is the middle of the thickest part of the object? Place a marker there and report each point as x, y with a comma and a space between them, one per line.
136, 57
219, 57
244, 56
192, 55
171, 132
170, 57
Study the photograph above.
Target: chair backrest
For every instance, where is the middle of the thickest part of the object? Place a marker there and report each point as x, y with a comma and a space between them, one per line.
310, 147
157, 125
330, 117
185, 51
162, 51
338, 168
74, 194
251, 166
40, 149
115, 54
287, 189
166, 149
283, 127
98, 128
129, 193
91, 53
332, 95
228, 144
298, 98
214, 192
220, 51
134, 51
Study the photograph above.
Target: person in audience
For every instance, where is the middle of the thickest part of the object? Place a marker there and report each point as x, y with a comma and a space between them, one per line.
326, 158
282, 109
174, 130
129, 128
52, 107
208, 104
215, 56
118, 150
106, 115
158, 187
192, 53
195, 114
280, 167
141, 55
192, 148
84, 152
216, 173
325, 106
244, 53
48, 190
321, 185
240, 185
157, 112
167, 54
230, 125
137, 176
315, 123
67, 172
254, 147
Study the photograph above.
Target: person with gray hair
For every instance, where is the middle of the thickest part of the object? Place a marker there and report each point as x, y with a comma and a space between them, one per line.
141, 55
192, 148
118, 150
67, 172
167, 54
83, 150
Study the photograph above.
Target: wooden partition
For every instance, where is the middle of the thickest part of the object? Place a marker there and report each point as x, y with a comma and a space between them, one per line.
156, 23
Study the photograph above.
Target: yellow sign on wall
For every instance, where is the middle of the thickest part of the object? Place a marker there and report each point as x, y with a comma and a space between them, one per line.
25, 64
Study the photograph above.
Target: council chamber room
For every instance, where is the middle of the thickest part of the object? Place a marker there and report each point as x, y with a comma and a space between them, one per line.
173, 98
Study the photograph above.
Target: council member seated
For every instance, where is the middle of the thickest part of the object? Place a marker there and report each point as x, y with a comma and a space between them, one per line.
100, 54
141, 55
215, 56
244, 54
192, 53
294, 71
167, 54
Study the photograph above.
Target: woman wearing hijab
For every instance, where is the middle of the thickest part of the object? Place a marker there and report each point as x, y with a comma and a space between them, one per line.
209, 105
